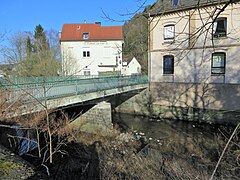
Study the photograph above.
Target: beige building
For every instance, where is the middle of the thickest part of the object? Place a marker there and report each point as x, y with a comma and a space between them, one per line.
194, 63
91, 49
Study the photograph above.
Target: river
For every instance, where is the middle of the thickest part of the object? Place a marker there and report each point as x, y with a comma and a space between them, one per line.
166, 129
195, 147
184, 147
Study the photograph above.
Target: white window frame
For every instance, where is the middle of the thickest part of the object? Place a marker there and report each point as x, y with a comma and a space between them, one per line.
169, 33
218, 64
86, 53
85, 35
87, 72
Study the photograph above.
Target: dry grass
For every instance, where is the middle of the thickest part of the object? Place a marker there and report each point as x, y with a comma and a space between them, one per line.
125, 163
125, 159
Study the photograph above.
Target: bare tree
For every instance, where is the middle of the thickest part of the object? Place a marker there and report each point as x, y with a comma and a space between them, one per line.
1, 40
15, 51
32, 58
181, 102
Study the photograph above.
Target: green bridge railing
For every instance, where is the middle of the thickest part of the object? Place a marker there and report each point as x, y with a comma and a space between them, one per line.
53, 87
28, 81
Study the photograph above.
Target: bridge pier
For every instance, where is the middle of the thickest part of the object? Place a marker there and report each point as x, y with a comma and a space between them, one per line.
98, 119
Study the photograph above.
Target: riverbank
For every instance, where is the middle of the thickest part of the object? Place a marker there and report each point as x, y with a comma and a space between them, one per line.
150, 103
146, 149
13, 167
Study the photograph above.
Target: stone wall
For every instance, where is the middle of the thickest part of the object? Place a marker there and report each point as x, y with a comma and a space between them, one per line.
98, 118
213, 103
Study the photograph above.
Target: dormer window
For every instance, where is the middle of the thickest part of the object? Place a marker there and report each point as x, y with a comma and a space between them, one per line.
85, 35
78, 27
175, 2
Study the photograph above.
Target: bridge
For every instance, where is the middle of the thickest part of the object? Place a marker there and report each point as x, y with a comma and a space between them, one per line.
39, 93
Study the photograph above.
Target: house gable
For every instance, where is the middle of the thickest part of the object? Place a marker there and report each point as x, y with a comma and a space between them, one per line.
88, 32
131, 66
91, 49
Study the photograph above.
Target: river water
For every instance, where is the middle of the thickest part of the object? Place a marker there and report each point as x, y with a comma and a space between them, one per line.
189, 144
191, 147
157, 129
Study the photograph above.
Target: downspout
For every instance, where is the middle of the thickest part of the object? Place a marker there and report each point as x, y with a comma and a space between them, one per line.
149, 53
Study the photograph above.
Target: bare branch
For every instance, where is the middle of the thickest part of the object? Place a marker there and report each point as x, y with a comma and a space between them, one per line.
224, 150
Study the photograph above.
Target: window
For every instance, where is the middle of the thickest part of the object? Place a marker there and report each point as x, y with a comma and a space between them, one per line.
220, 27
86, 53
175, 2
169, 32
85, 35
86, 72
168, 64
218, 63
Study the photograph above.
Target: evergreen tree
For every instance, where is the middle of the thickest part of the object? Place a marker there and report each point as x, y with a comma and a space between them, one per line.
29, 47
41, 41
40, 58
38, 33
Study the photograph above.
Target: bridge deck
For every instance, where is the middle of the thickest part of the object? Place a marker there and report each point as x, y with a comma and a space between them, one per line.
50, 88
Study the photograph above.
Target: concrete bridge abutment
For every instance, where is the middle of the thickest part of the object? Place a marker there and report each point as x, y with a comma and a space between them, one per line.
98, 119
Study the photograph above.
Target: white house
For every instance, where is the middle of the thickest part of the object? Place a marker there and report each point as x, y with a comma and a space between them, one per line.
91, 49
130, 66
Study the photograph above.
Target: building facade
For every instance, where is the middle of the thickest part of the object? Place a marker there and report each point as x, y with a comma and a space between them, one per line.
91, 49
194, 58
131, 67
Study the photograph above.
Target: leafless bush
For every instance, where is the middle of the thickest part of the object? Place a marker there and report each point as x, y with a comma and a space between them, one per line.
8, 104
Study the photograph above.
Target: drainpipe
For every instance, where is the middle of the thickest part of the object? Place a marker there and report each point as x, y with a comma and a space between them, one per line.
149, 53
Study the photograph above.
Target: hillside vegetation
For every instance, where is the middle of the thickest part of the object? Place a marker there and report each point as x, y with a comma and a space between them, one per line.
135, 34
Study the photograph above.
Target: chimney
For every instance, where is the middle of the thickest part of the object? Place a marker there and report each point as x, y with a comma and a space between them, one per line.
99, 23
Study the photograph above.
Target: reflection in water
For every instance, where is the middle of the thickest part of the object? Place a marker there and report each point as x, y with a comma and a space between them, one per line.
194, 142
165, 129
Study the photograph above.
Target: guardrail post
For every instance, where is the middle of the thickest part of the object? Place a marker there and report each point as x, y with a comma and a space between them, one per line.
76, 88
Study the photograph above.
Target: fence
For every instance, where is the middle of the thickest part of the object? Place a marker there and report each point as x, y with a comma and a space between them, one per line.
55, 87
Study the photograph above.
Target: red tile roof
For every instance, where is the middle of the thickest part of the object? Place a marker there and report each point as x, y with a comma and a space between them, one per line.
74, 32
